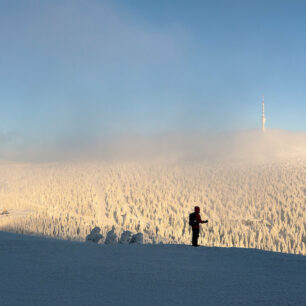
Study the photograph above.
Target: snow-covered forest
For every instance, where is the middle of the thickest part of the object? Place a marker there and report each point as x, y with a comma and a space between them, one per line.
253, 205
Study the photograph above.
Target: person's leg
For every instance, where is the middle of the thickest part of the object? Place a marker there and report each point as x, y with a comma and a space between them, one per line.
195, 236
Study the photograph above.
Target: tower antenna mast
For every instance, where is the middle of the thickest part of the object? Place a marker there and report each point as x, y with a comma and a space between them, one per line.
263, 118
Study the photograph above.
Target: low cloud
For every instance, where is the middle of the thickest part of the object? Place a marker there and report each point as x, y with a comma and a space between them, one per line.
251, 145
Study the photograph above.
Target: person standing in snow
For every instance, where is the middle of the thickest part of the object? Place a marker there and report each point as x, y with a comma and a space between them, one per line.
194, 221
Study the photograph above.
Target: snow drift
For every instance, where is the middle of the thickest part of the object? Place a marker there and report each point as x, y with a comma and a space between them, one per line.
38, 271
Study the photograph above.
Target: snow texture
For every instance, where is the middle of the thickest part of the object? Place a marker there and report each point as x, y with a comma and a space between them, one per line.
42, 271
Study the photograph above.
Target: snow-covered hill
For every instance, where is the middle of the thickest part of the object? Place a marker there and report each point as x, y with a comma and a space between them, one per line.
41, 271
256, 205
250, 186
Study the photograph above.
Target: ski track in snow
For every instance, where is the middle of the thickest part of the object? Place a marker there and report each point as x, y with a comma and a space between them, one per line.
40, 271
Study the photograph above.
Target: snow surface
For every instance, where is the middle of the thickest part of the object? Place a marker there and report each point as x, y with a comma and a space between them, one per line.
40, 271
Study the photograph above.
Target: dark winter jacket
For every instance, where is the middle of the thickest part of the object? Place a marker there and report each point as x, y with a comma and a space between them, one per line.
198, 218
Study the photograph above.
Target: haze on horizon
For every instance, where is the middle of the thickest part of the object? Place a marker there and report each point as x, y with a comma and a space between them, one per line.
123, 75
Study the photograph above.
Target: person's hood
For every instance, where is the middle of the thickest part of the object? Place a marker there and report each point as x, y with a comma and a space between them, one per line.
197, 209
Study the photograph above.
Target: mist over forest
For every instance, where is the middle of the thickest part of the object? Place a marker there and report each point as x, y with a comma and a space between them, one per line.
252, 145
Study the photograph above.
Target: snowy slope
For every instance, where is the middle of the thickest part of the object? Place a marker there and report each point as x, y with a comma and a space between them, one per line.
38, 271
256, 205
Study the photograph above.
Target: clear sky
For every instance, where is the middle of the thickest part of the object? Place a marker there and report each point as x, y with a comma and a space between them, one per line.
72, 70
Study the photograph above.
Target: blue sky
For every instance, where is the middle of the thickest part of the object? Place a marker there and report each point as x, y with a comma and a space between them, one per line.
81, 70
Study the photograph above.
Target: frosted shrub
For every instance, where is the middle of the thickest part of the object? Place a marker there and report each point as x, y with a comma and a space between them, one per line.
94, 236
126, 237
137, 238
111, 237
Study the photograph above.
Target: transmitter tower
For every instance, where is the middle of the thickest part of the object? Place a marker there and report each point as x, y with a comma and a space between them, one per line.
263, 118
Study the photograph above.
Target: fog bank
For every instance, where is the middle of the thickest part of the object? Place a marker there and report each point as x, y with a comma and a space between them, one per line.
246, 145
